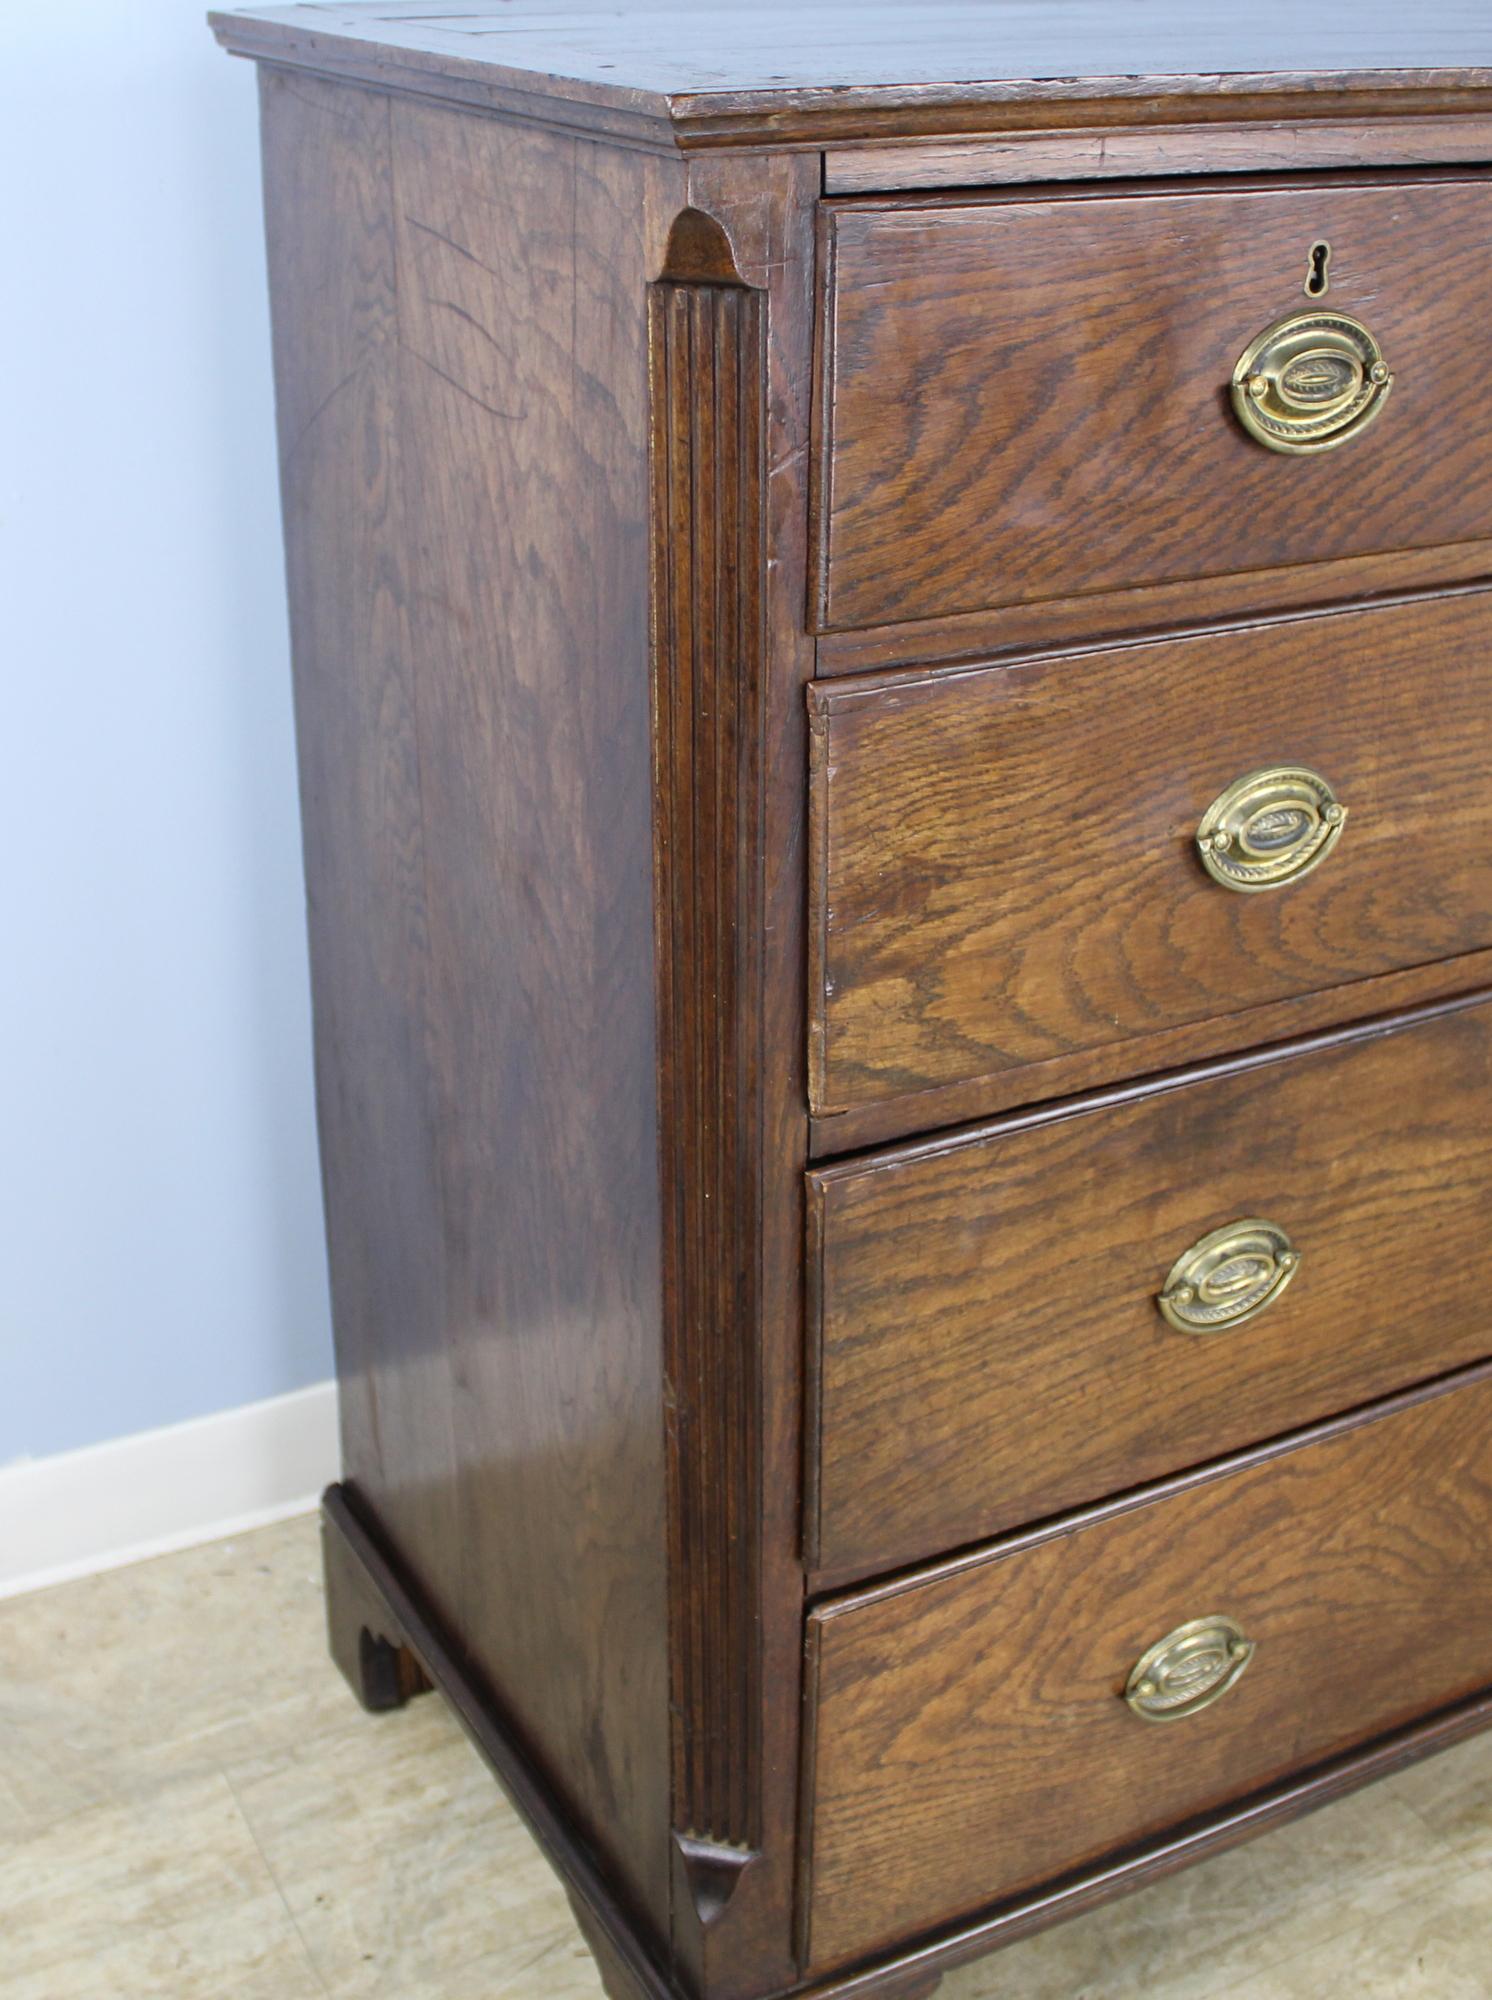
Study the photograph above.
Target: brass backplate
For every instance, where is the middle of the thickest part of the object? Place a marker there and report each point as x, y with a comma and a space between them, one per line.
1269, 828
1188, 1670
1310, 382
1231, 1276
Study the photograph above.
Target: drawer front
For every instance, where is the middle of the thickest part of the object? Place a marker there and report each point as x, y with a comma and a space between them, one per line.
1032, 399
1005, 860
970, 1738
991, 1347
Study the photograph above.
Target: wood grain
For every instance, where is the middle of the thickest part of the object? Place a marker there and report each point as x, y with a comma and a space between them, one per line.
707, 398
561, 1391
1104, 154
980, 1298
1151, 611
1086, 1889
958, 1715
1152, 1056
523, 457
679, 49
557, 859
718, 75
1029, 399
1004, 862
329, 201
462, 371
767, 207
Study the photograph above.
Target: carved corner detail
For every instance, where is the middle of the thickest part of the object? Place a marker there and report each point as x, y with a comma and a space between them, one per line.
707, 367
712, 1872
699, 252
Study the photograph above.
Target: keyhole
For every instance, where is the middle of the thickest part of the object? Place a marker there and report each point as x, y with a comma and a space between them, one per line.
1318, 275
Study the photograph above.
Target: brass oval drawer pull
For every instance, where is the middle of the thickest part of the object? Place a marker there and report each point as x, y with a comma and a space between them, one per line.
1310, 382
1188, 1670
1229, 1277
1269, 828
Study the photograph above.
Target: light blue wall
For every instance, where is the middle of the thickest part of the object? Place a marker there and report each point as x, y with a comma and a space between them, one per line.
159, 1206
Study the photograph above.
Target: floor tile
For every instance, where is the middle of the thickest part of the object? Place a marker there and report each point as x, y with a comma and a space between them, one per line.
169, 1896
1438, 1948
1210, 1929
1452, 1795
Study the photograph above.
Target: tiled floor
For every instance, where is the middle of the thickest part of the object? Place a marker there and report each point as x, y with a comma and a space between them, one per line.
193, 1808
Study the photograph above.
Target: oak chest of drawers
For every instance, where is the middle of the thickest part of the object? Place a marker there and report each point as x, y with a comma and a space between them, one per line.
893, 661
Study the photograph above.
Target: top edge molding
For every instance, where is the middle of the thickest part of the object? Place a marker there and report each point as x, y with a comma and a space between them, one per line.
634, 77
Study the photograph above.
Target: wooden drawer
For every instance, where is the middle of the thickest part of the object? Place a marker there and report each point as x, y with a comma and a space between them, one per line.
1004, 858
969, 1739
1030, 398
988, 1343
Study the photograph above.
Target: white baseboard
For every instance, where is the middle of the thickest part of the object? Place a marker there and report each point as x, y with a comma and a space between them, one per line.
108, 1504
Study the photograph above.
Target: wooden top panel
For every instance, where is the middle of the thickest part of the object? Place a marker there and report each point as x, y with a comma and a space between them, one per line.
807, 70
